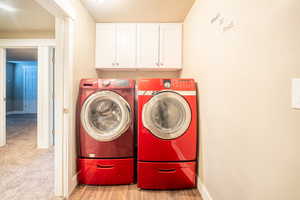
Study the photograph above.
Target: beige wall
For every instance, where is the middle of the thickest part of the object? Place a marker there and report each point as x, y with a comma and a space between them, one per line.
27, 35
249, 133
85, 30
139, 10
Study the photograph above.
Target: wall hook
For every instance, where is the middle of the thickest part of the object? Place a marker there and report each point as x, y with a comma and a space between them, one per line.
228, 26
214, 19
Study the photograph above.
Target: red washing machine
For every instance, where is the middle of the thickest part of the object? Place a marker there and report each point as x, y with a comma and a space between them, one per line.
105, 129
167, 133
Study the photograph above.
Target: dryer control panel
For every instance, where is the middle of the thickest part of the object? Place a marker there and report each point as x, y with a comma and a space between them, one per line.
183, 84
166, 84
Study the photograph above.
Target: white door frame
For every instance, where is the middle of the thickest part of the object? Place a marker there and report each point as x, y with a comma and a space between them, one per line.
64, 28
44, 96
63, 77
63, 85
43, 121
61, 98
64, 13
2, 97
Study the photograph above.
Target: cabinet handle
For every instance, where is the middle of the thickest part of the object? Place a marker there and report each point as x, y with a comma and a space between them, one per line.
113, 64
161, 64
157, 64
117, 64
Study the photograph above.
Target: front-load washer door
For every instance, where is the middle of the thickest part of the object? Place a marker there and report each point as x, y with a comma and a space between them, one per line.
105, 116
167, 115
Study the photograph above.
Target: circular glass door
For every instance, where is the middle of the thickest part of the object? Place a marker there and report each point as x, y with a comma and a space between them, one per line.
105, 115
167, 115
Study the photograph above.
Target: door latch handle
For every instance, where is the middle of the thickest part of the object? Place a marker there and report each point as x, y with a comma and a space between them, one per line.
66, 111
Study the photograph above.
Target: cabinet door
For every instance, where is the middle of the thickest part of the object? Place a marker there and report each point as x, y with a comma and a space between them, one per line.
171, 45
148, 45
126, 45
105, 45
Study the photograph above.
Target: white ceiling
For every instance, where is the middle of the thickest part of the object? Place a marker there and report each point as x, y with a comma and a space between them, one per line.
18, 54
138, 10
28, 17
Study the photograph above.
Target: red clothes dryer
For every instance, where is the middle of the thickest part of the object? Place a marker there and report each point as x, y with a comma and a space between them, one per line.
105, 129
167, 133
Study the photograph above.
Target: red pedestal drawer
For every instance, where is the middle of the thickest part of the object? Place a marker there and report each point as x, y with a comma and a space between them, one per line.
106, 171
166, 175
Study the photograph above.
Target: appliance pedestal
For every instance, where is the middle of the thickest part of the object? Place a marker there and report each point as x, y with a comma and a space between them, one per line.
166, 175
105, 171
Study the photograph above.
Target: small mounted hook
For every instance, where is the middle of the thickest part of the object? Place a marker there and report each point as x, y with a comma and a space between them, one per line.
228, 26
221, 21
214, 19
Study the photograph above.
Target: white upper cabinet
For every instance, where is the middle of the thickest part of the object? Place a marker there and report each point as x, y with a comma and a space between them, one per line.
170, 45
105, 45
148, 45
139, 46
126, 45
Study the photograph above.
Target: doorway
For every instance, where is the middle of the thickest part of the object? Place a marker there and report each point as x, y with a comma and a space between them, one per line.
21, 81
26, 164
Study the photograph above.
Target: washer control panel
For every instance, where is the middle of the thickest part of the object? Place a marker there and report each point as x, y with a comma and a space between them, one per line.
107, 83
115, 83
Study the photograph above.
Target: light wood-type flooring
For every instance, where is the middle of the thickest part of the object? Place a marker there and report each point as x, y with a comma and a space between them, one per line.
131, 192
26, 173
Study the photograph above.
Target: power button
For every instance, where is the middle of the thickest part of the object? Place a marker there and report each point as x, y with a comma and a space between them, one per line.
167, 83
106, 83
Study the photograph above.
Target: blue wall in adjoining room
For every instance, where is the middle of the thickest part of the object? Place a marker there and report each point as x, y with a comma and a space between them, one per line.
10, 79
15, 84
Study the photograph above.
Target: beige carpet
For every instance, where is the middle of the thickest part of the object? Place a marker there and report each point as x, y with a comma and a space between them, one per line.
26, 173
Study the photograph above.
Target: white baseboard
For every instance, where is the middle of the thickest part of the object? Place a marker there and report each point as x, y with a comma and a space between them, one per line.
203, 190
2, 143
42, 146
73, 184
